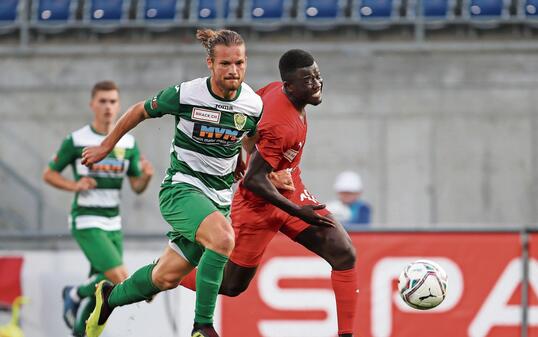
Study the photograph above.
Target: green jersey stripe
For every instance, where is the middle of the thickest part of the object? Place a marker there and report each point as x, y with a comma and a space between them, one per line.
100, 211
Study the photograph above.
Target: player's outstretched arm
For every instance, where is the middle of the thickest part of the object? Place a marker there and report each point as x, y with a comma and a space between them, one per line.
134, 115
256, 180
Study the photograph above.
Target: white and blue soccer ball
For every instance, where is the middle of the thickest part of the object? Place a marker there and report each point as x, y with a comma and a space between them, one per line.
422, 284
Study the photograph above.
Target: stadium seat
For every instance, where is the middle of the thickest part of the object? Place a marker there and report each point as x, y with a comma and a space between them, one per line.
376, 9
8, 11
265, 9
486, 9
530, 9
431, 10
209, 9
322, 9
56, 11
160, 10
108, 10
436, 13
376, 14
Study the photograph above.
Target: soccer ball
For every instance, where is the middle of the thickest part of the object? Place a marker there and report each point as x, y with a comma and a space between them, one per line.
422, 284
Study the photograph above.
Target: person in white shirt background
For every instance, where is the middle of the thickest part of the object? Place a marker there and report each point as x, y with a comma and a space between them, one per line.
349, 209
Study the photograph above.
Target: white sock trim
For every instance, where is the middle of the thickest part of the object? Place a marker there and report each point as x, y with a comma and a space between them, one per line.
74, 295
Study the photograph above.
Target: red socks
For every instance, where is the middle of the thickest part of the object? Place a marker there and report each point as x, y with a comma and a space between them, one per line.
344, 284
189, 281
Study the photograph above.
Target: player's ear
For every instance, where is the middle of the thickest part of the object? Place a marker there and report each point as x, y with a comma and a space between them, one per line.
288, 86
209, 62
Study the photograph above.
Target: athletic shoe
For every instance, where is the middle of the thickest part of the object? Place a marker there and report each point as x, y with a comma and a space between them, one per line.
203, 330
70, 307
97, 321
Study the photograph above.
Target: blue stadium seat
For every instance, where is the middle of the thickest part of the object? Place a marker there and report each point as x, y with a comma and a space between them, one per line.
487, 9
322, 9
57, 11
160, 9
209, 9
432, 10
8, 11
266, 9
436, 8
530, 9
108, 10
376, 9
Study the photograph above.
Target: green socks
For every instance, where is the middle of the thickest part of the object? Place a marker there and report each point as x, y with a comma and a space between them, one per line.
138, 287
208, 280
88, 289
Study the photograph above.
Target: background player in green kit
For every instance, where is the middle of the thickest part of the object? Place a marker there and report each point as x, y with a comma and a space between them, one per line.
212, 116
95, 220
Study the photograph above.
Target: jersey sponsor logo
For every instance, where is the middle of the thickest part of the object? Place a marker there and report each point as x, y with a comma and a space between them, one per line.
119, 152
215, 135
240, 120
107, 165
154, 104
223, 107
205, 115
290, 154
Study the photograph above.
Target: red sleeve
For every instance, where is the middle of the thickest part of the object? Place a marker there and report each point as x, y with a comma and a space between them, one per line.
271, 144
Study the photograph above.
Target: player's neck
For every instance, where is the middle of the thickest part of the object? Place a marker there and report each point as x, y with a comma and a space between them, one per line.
102, 128
225, 94
298, 106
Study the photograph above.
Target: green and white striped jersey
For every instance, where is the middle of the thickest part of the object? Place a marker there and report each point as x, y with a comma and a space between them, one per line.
99, 207
208, 133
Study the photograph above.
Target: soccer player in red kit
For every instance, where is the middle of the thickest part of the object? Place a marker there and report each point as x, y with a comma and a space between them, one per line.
260, 210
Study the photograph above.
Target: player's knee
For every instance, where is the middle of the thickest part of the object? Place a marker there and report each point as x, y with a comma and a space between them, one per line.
342, 256
165, 281
347, 257
223, 243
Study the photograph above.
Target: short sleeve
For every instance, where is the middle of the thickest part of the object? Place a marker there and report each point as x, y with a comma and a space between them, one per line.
64, 156
271, 144
165, 102
252, 132
134, 169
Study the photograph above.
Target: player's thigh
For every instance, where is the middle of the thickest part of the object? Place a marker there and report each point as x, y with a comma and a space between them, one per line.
99, 248
185, 207
254, 228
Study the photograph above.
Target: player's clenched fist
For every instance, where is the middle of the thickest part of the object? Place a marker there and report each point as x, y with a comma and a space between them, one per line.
282, 180
94, 154
146, 166
84, 184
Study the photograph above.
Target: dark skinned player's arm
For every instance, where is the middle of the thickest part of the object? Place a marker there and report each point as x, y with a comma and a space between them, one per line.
257, 181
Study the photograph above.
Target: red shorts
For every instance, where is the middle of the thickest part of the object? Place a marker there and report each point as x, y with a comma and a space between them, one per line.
256, 222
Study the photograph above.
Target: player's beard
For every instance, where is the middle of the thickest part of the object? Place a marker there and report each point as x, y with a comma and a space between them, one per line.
226, 85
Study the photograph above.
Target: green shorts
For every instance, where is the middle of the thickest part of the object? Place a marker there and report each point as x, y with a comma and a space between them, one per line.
104, 249
184, 207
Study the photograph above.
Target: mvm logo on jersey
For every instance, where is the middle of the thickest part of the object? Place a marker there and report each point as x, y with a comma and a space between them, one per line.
215, 135
107, 166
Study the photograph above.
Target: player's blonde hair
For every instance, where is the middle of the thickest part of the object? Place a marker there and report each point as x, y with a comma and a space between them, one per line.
211, 38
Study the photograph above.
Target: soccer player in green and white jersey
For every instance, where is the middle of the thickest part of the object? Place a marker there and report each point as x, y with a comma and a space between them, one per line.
212, 117
95, 218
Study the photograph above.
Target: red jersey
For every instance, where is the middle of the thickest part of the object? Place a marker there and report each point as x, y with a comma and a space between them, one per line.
282, 133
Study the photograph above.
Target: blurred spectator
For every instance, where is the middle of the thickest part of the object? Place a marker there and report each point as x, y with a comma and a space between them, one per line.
349, 209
